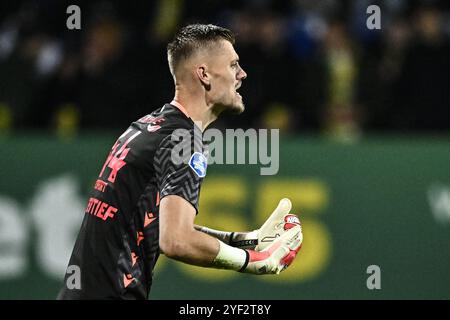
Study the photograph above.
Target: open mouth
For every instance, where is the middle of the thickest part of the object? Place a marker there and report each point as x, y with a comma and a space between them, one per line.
236, 89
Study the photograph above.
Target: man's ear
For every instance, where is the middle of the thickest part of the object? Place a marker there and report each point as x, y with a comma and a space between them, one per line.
203, 76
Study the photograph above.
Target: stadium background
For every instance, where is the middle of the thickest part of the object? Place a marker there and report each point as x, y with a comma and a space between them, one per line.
364, 149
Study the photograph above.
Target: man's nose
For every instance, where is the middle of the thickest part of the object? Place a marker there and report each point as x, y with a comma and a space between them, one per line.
242, 74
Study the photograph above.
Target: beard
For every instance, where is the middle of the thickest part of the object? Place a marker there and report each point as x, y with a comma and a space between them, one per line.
230, 102
229, 109
236, 107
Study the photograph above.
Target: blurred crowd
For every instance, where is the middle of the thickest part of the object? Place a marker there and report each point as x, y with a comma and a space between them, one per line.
313, 66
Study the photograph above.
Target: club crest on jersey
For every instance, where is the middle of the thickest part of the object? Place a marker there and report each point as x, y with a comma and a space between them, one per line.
198, 163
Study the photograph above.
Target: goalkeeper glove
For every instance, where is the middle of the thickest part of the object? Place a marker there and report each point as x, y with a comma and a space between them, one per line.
278, 255
278, 223
272, 260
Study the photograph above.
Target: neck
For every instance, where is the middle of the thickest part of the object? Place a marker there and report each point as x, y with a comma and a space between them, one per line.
195, 107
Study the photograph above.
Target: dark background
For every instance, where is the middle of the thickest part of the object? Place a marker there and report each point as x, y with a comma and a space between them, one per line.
313, 66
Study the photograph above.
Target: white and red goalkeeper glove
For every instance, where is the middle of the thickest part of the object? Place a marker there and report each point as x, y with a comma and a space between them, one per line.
278, 255
271, 260
277, 224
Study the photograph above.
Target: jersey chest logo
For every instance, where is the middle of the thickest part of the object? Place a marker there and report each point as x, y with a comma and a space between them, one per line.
198, 163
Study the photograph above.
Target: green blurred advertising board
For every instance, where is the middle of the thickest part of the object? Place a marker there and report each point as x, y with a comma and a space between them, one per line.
379, 208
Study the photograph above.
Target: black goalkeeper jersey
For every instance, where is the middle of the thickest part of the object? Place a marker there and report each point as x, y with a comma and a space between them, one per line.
118, 243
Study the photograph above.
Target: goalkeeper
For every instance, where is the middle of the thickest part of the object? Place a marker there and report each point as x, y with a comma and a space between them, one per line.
145, 201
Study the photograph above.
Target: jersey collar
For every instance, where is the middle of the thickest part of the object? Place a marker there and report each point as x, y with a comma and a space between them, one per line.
180, 107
